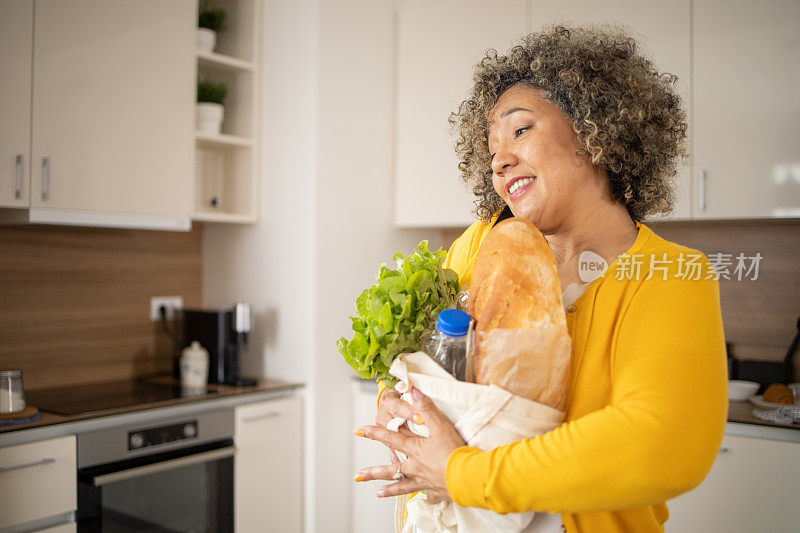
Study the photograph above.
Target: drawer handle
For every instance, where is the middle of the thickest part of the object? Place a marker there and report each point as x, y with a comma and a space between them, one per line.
724, 449
265, 416
45, 461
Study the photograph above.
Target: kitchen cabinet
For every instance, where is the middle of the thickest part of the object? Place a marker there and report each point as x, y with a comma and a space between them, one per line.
368, 513
746, 112
663, 31
226, 164
753, 486
111, 112
38, 483
437, 44
16, 40
268, 467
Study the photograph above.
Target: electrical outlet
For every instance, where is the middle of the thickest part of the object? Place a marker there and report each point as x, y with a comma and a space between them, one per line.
172, 303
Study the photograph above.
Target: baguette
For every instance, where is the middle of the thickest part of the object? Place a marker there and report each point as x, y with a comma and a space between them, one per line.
515, 286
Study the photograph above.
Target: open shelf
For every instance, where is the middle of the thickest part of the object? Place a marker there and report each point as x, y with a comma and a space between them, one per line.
228, 218
226, 182
222, 139
213, 60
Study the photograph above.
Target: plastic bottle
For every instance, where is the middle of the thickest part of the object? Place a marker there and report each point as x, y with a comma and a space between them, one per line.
448, 344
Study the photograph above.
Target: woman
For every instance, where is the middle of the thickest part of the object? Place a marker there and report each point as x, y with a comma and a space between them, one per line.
576, 132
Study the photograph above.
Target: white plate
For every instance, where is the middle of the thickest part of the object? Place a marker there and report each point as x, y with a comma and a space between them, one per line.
759, 401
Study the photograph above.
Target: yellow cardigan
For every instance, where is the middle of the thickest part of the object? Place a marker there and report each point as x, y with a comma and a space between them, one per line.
647, 404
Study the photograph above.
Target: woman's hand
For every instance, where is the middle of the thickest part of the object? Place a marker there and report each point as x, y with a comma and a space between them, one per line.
427, 457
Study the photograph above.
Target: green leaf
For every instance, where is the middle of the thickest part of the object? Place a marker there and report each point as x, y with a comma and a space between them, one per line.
396, 310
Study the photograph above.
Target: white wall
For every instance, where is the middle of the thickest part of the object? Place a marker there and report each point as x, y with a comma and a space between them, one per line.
326, 219
271, 265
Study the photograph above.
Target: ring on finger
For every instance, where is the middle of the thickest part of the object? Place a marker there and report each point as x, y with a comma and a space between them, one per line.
398, 475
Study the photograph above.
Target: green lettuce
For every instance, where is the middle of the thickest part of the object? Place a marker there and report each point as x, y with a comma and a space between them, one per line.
395, 311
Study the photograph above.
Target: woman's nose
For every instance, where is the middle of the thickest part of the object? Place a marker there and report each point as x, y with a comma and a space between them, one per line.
503, 159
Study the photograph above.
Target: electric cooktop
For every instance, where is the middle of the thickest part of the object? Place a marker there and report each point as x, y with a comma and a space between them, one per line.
81, 399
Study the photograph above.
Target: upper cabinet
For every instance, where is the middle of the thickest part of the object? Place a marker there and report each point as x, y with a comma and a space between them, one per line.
111, 122
16, 41
746, 109
98, 107
438, 42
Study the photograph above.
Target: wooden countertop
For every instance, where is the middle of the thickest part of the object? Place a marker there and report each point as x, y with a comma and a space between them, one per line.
222, 391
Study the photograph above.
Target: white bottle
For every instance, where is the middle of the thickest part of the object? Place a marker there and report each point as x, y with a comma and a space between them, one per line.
194, 367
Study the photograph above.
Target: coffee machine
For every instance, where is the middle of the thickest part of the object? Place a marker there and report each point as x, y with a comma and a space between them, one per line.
224, 334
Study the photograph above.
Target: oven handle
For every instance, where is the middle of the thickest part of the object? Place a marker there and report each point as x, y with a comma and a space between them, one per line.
139, 471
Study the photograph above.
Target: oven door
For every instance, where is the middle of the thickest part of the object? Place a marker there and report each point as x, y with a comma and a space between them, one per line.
183, 490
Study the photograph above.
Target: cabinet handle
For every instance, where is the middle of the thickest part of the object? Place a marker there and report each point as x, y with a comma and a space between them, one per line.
20, 160
701, 202
45, 461
265, 416
45, 178
723, 449
164, 466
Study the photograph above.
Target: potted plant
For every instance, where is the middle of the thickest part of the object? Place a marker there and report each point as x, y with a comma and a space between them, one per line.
211, 19
210, 111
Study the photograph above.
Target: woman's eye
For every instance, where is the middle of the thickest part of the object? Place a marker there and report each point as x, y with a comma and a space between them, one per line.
520, 131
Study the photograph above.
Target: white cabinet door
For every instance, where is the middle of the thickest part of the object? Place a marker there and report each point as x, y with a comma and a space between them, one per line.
753, 486
113, 106
37, 480
16, 42
746, 108
268, 467
438, 42
663, 31
368, 513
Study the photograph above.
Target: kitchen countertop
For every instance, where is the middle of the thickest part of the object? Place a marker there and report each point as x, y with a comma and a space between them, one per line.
742, 411
52, 425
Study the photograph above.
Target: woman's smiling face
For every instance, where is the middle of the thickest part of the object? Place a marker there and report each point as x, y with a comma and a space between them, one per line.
536, 168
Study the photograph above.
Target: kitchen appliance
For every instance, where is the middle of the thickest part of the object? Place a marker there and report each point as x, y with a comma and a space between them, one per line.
764, 372
223, 333
175, 474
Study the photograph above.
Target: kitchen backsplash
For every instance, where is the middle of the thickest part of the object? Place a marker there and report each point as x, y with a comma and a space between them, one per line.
760, 315
75, 301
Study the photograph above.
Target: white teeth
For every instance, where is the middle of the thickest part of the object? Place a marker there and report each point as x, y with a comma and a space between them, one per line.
519, 183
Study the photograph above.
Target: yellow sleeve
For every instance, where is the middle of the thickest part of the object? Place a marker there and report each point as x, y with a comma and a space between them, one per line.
657, 438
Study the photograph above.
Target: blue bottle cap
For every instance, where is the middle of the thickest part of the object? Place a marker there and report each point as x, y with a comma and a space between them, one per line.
453, 322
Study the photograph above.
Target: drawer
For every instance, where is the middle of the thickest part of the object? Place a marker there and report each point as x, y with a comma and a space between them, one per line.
37, 480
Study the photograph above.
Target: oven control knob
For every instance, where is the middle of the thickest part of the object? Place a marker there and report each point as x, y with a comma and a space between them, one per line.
137, 440
189, 431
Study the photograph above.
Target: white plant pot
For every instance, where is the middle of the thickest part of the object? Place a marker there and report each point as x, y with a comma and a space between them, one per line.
206, 40
209, 117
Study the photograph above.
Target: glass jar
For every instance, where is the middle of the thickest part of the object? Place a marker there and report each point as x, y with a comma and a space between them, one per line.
12, 397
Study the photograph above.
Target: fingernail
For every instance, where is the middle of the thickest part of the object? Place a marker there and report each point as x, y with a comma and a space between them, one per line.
418, 420
359, 478
359, 432
379, 494
416, 395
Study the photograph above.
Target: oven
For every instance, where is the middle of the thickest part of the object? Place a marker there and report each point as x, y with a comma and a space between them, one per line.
170, 475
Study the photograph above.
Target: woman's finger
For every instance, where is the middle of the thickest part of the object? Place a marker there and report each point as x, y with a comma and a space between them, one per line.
407, 486
429, 414
392, 439
392, 406
372, 473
